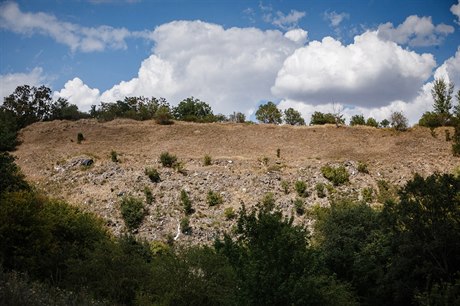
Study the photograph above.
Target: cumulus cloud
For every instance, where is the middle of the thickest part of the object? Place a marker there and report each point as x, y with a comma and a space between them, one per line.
450, 69
299, 36
328, 71
455, 9
231, 69
79, 94
76, 37
415, 31
9, 82
334, 18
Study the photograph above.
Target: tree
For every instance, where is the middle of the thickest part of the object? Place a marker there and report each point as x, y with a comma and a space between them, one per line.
8, 130
385, 123
269, 113
442, 97
293, 117
398, 121
318, 118
29, 104
431, 119
457, 107
63, 110
372, 122
357, 120
192, 109
237, 117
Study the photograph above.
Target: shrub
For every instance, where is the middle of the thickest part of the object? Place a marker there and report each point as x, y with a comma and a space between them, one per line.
207, 160
186, 202
301, 188
192, 109
320, 190
185, 225
372, 122
318, 118
299, 206
362, 167
268, 201
153, 175
229, 213
357, 120
168, 160
278, 153
431, 120
11, 178
180, 167
336, 175
285, 186
148, 196
80, 138
163, 115
114, 156
398, 121
269, 113
293, 117
213, 198
132, 211
385, 123
367, 194
387, 192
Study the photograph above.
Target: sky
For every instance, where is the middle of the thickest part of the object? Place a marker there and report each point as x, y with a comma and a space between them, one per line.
369, 57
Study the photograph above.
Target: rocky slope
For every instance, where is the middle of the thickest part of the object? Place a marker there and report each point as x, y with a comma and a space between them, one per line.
245, 166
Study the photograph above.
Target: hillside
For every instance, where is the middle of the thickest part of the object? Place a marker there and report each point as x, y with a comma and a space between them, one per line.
244, 166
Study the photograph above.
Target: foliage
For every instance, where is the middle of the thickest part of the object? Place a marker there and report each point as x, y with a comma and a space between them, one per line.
80, 137
163, 115
431, 120
114, 156
320, 190
269, 113
8, 130
387, 192
185, 225
137, 108
299, 206
367, 194
398, 121
237, 117
357, 120
229, 213
149, 198
268, 201
167, 159
61, 109
456, 139
186, 202
337, 175
372, 122
293, 117
153, 175
385, 123
442, 97
301, 188
285, 186
192, 109
362, 167
132, 211
11, 178
213, 198
207, 160
318, 118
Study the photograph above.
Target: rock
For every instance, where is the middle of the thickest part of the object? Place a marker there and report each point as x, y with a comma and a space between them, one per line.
87, 162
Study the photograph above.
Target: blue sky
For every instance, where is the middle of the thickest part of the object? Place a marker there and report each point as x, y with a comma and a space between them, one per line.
369, 57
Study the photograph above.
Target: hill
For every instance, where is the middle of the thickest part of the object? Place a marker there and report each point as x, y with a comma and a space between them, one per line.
245, 166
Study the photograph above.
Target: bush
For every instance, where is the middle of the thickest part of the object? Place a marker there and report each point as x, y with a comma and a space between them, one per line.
398, 121
148, 196
185, 225
153, 175
163, 116
285, 187
8, 130
11, 178
299, 206
269, 113
372, 122
114, 156
301, 188
362, 167
336, 175
293, 117
431, 120
318, 118
385, 123
186, 202
229, 213
207, 160
320, 190
168, 160
387, 192
192, 109
132, 211
213, 198
367, 194
80, 138
268, 201
357, 120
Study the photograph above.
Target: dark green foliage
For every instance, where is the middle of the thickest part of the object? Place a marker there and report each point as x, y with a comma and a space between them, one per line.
367, 194
167, 159
114, 156
11, 178
293, 117
207, 160
337, 175
357, 120
185, 225
372, 122
192, 109
153, 175
285, 187
80, 138
278, 153
301, 188
269, 113
442, 97
398, 121
163, 115
63, 110
186, 202
456, 139
137, 108
229, 213
318, 118
132, 211
268, 201
362, 167
8, 130
213, 198
299, 206
320, 190
385, 123
387, 192
431, 120
149, 198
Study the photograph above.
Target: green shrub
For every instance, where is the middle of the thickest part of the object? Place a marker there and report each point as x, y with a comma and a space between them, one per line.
320, 190
153, 175
387, 192
163, 116
213, 198
285, 187
80, 138
114, 156
229, 213
367, 194
180, 167
268, 201
301, 188
278, 153
168, 160
185, 225
337, 175
148, 196
132, 211
207, 160
186, 202
299, 206
362, 167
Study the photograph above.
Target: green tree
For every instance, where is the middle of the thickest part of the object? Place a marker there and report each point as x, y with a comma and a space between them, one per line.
457, 107
12, 178
192, 109
63, 110
430, 119
442, 97
372, 122
237, 117
269, 113
293, 117
398, 121
357, 120
8, 130
318, 118
385, 123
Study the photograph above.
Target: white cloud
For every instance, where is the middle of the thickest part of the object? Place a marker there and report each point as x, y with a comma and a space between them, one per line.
289, 21
450, 69
76, 37
299, 36
455, 9
79, 94
9, 82
415, 31
231, 69
335, 18
367, 72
